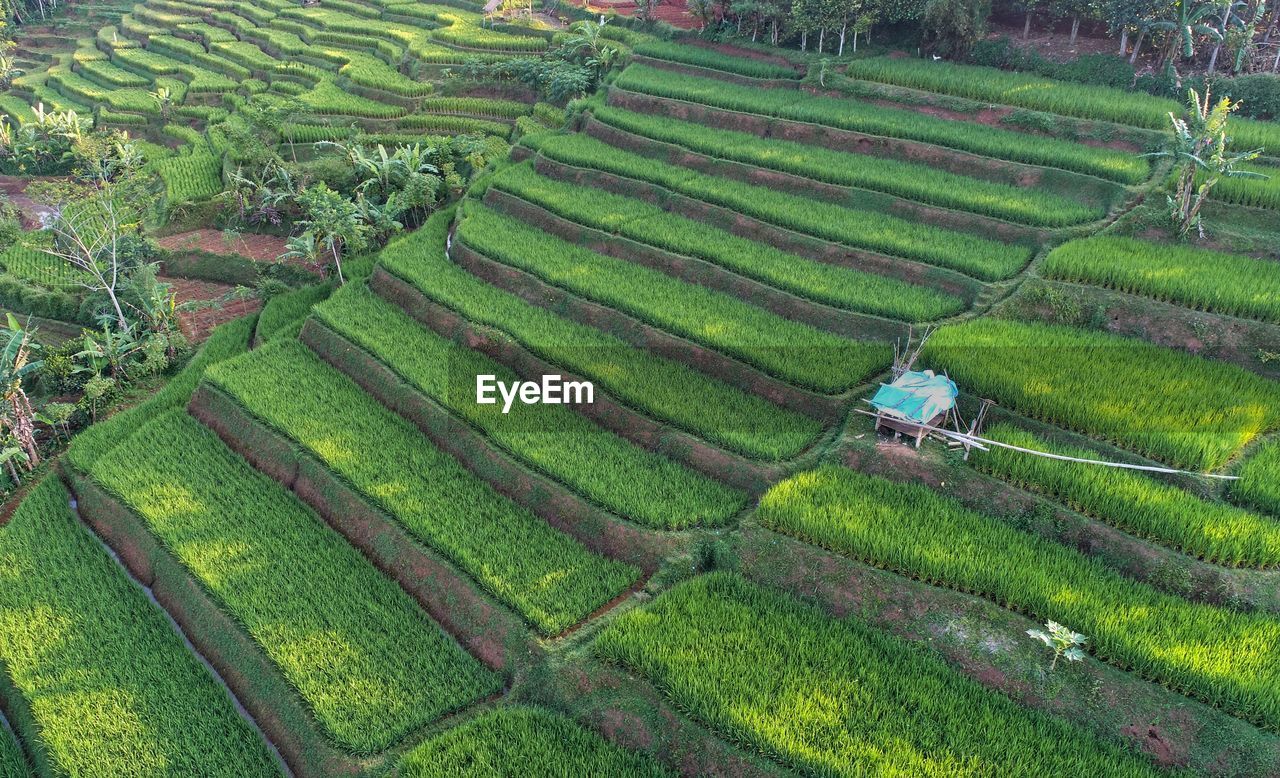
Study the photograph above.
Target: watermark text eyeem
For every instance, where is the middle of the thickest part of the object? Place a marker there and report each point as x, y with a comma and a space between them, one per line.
551, 390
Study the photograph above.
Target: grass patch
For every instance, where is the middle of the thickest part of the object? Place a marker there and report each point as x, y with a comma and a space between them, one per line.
658, 387
111, 687
1189, 412
1225, 658
837, 698
541, 742
548, 577
1196, 278
371, 666
790, 350
861, 116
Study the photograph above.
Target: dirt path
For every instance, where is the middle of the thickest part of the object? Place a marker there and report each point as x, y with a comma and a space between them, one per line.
15, 189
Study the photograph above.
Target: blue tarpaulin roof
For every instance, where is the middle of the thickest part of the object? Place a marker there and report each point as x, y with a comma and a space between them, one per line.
916, 396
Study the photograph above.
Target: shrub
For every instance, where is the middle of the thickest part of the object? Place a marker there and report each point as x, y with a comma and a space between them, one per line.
908, 180
1224, 658
1169, 405
115, 659
792, 351
835, 697
1197, 278
547, 577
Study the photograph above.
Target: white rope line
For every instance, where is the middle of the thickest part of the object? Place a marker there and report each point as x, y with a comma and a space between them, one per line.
982, 443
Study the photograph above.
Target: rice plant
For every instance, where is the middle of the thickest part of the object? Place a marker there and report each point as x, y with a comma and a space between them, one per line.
1084, 101
1225, 658
1259, 484
546, 576
979, 257
111, 687
1254, 192
283, 314
190, 177
640, 221
658, 387
540, 741
715, 60
790, 350
554, 439
1138, 504
909, 180
835, 697
1180, 409
858, 116
1197, 278
370, 665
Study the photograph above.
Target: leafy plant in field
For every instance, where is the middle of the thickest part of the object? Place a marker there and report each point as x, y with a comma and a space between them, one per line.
1200, 151
1066, 644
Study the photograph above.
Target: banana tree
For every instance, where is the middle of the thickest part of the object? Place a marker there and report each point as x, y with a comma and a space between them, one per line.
16, 366
1200, 151
1193, 19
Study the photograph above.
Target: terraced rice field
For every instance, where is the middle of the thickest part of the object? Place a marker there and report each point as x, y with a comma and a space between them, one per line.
715, 566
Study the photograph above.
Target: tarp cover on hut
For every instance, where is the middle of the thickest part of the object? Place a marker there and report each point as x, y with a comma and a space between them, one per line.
916, 396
